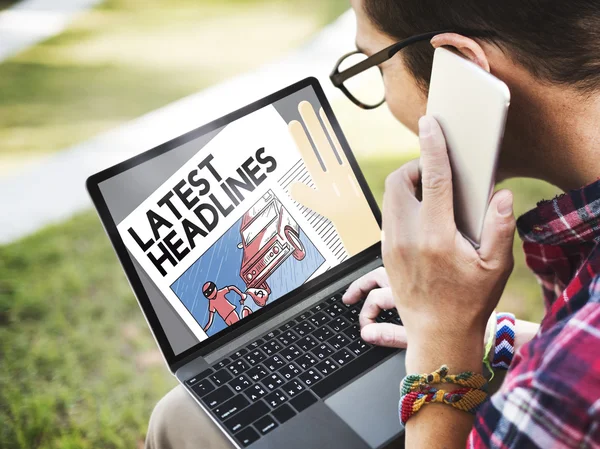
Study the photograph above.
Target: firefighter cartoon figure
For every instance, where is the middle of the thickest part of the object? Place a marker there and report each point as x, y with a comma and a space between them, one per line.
218, 303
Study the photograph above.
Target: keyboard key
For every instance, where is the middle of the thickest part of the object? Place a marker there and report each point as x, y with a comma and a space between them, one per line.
288, 325
307, 343
255, 392
231, 407
218, 396
265, 424
271, 335
359, 347
222, 364
254, 357
257, 373
287, 338
293, 388
334, 310
198, 377
238, 367
273, 381
342, 357
353, 332
283, 413
322, 351
303, 401
306, 361
247, 436
255, 344
271, 347
289, 371
290, 353
238, 354
338, 342
322, 334
331, 299
275, 399
221, 377
203, 387
240, 383
319, 319
344, 375
274, 363
318, 307
339, 324
251, 414
352, 315
326, 367
310, 377
304, 328
304, 316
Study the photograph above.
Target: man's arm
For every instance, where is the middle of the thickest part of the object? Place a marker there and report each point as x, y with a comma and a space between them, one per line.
233, 288
211, 316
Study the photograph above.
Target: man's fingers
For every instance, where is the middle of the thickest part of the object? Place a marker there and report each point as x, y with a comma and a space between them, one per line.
360, 288
498, 231
436, 176
384, 334
377, 300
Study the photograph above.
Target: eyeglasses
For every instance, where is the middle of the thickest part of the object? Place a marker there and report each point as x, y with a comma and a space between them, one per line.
361, 78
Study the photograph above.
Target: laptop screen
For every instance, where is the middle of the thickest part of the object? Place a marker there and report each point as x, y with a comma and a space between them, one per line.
230, 221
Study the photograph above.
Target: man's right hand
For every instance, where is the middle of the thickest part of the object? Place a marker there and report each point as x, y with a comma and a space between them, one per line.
375, 287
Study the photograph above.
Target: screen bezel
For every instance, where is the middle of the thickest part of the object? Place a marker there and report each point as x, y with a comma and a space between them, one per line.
255, 319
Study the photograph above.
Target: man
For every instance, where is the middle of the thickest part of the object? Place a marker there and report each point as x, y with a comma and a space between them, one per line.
218, 303
548, 53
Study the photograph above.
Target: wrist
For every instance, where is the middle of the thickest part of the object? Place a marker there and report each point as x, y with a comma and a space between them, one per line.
460, 351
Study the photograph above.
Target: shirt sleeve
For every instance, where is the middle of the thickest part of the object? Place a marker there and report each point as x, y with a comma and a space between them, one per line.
550, 396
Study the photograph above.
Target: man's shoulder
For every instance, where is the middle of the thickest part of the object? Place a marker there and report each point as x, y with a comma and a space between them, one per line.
563, 360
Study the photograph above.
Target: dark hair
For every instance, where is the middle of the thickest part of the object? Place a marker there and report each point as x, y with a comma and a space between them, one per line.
558, 41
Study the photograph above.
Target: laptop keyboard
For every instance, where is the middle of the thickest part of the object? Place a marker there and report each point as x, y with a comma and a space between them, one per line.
257, 388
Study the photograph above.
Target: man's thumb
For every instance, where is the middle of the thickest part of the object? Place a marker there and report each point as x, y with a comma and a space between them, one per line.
384, 334
498, 229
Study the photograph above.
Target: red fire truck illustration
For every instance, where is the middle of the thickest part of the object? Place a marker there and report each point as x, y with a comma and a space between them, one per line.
269, 236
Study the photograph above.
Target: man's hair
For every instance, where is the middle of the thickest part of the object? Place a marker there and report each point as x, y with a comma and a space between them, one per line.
558, 41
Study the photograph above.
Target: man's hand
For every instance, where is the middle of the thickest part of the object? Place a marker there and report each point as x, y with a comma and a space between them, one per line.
444, 289
375, 287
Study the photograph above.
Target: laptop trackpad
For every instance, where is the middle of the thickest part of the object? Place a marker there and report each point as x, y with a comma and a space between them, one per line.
369, 405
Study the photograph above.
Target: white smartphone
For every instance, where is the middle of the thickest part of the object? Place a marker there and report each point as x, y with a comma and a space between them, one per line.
471, 106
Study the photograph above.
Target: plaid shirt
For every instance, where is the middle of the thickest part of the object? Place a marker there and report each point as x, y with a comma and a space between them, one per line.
550, 397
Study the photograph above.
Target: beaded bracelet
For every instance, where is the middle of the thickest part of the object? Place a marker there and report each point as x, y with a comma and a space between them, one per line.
465, 399
504, 348
415, 382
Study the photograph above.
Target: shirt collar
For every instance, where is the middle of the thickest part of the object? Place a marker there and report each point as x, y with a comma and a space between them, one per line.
570, 218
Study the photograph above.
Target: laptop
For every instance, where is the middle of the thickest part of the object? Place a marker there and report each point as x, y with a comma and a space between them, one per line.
239, 239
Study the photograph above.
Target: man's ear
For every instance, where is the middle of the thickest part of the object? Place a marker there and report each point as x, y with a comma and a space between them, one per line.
464, 45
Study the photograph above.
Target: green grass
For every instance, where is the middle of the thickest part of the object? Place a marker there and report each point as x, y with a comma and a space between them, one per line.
79, 366
125, 58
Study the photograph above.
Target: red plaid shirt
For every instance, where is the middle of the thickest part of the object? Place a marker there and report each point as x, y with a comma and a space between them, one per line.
550, 397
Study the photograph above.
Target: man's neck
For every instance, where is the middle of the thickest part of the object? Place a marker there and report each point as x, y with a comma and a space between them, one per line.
555, 133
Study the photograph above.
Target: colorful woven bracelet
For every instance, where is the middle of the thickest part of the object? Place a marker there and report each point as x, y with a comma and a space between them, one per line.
416, 382
465, 399
504, 348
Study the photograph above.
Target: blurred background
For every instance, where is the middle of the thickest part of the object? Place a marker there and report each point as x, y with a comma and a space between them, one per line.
87, 83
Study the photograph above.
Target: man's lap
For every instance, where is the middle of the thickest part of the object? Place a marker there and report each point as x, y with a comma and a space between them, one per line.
178, 422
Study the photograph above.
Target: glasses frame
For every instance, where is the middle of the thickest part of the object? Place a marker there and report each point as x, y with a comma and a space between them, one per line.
338, 78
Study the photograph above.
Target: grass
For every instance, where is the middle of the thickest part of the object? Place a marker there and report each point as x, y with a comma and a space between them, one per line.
79, 366
121, 60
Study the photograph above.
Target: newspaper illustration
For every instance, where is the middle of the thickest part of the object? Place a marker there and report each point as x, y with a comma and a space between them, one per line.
223, 237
